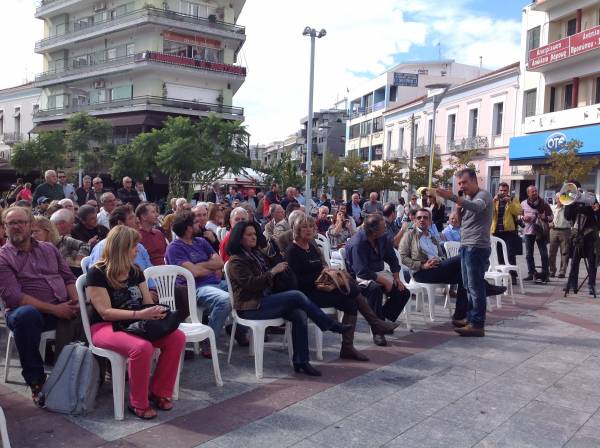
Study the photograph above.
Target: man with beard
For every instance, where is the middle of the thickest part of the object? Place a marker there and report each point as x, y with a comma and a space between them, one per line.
535, 212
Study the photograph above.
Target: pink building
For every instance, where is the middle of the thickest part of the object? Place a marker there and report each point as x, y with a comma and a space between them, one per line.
475, 115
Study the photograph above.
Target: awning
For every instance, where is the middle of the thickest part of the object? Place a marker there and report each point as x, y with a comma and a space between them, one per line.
47, 127
139, 119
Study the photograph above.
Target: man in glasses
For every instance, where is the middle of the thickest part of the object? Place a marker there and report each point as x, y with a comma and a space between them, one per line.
68, 189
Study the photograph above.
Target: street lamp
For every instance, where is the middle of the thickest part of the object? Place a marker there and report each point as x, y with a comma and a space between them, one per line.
437, 92
313, 33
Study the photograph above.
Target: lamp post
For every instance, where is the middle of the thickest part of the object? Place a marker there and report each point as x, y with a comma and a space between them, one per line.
313, 33
437, 93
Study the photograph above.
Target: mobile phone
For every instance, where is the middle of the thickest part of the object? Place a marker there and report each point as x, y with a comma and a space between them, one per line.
460, 192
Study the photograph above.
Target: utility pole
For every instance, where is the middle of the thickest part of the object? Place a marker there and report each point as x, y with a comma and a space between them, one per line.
413, 142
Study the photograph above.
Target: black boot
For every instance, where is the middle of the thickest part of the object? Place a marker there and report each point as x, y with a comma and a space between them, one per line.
340, 328
347, 351
307, 369
378, 326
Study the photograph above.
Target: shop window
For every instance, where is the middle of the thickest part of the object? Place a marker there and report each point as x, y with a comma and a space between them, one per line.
498, 118
530, 102
568, 96
571, 27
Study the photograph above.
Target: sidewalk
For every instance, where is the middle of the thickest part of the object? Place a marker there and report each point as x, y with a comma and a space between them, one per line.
531, 382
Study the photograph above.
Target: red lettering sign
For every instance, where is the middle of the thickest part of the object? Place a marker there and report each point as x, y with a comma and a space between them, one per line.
565, 48
191, 39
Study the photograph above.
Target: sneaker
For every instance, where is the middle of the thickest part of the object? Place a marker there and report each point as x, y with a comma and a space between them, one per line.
36, 393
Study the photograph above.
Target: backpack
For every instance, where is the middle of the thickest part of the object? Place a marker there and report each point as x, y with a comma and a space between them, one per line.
73, 383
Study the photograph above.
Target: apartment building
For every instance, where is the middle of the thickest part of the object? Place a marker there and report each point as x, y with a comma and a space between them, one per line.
560, 85
329, 133
136, 62
401, 84
477, 116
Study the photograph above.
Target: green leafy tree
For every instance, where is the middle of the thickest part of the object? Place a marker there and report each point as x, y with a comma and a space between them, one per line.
138, 159
333, 168
354, 174
46, 151
386, 176
87, 140
566, 163
284, 172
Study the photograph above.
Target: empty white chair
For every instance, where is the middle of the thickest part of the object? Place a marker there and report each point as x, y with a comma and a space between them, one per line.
497, 277
164, 278
4, 430
84, 264
507, 267
258, 328
118, 362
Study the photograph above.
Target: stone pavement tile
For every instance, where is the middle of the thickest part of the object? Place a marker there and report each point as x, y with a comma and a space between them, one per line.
348, 434
339, 402
299, 420
578, 441
424, 398
479, 364
121, 443
536, 425
533, 374
256, 435
371, 385
436, 433
572, 396
484, 410
309, 444
510, 386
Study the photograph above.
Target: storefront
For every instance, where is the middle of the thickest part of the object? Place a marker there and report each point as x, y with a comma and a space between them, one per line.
532, 149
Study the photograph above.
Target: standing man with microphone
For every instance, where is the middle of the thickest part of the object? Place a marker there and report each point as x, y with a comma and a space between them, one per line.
476, 208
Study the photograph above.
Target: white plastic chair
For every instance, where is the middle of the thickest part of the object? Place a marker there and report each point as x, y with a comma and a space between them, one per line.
498, 278
507, 267
118, 362
258, 328
4, 430
46, 336
164, 278
84, 264
221, 231
319, 333
323, 244
452, 249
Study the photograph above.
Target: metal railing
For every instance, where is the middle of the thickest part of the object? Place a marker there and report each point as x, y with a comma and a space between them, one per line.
12, 137
147, 102
147, 13
146, 56
468, 143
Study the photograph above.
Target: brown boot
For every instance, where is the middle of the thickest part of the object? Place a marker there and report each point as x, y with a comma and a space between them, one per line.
348, 351
471, 331
459, 323
378, 326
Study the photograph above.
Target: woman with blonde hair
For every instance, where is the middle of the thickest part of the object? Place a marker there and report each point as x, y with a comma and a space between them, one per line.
118, 290
43, 230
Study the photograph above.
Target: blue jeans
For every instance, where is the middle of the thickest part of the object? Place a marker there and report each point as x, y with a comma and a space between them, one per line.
216, 300
27, 325
475, 261
295, 307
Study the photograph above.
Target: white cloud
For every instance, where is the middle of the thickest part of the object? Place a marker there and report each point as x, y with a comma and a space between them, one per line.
363, 38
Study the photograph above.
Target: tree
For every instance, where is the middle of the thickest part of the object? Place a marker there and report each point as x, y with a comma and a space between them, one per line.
354, 173
419, 176
284, 172
333, 168
46, 151
386, 176
87, 140
566, 164
138, 159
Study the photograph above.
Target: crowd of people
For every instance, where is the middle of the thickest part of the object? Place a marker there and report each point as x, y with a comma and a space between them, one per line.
267, 245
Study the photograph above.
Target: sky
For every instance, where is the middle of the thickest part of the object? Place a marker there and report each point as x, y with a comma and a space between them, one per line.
363, 40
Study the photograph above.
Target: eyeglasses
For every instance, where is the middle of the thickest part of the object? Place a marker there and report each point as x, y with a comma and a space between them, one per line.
422, 218
62, 177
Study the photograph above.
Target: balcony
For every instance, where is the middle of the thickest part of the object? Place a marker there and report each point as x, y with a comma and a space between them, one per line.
578, 47
142, 104
146, 15
53, 7
468, 144
128, 62
423, 149
10, 138
569, 118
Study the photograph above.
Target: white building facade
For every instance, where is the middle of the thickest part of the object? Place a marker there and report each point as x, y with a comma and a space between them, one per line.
135, 62
560, 85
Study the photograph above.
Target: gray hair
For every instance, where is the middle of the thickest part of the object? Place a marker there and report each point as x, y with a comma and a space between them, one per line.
180, 201
87, 177
238, 211
61, 215
106, 196
303, 220
294, 217
64, 202
49, 173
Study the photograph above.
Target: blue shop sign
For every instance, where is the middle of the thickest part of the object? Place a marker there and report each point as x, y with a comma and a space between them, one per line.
534, 146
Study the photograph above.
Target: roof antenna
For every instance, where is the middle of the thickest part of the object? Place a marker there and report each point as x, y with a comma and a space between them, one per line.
480, 64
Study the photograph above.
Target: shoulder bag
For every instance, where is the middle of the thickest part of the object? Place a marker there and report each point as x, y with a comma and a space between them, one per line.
334, 279
151, 330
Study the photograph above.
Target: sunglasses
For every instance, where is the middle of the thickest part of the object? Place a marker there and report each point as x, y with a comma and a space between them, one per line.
422, 218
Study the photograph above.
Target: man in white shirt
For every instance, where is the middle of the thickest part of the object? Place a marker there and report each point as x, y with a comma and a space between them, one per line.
109, 202
560, 236
68, 189
139, 187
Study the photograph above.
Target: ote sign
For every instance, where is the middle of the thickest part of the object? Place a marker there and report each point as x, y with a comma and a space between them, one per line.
406, 79
556, 142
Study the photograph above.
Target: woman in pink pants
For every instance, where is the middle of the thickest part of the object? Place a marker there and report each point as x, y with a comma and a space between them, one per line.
116, 286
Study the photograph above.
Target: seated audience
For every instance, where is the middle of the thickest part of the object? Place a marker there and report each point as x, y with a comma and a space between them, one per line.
181, 204
366, 253
452, 231
237, 215
152, 239
43, 203
393, 230
215, 218
38, 291
306, 262
85, 193
25, 193
109, 202
88, 230
115, 285
340, 231
351, 222
251, 276
197, 256
201, 214
323, 222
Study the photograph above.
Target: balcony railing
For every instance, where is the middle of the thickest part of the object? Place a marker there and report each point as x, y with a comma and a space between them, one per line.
468, 144
146, 56
143, 13
146, 102
12, 137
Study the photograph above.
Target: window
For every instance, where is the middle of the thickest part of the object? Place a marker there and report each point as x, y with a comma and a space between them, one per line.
497, 119
568, 96
388, 143
416, 133
429, 131
494, 178
121, 93
377, 124
17, 117
533, 39
597, 90
552, 99
401, 140
83, 23
393, 93
130, 49
571, 27
473, 119
365, 128
529, 103
121, 10
35, 109
364, 154
194, 9
377, 152
451, 127
1, 122
354, 131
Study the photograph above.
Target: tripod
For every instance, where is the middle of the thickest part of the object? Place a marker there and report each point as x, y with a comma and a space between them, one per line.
577, 254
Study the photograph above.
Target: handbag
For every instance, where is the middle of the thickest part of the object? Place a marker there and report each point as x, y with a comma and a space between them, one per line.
151, 330
541, 228
334, 279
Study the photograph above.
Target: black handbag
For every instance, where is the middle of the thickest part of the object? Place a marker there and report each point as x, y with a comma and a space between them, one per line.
151, 330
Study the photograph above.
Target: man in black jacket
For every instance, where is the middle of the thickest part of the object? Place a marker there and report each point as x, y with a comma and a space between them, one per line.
128, 194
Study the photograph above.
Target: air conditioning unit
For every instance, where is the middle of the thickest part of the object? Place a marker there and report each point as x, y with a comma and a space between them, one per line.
99, 6
99, 84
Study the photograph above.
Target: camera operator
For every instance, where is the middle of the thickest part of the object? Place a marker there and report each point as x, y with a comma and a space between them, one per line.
583, 241
507, 209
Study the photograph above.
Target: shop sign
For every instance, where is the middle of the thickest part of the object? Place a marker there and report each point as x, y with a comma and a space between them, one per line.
556, 142
406, 79
565, 48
